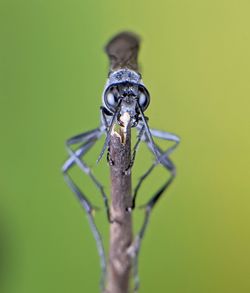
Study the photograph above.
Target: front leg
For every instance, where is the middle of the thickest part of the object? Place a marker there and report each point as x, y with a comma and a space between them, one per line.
106, 120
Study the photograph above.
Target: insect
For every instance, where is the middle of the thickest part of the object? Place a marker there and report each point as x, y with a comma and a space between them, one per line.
124, 92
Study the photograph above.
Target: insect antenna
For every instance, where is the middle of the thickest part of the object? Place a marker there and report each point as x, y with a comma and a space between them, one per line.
148, 133
107, 140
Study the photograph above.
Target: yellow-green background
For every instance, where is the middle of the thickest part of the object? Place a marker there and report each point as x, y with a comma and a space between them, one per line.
195, 62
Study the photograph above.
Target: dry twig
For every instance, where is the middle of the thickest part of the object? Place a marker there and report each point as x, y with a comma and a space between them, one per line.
121, 228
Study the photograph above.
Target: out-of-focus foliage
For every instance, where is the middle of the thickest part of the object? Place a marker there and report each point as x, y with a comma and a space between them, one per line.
195, 62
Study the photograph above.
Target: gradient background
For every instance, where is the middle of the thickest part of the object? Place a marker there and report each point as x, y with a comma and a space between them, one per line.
195, 62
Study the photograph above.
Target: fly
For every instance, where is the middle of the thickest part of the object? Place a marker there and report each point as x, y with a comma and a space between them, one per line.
124, 93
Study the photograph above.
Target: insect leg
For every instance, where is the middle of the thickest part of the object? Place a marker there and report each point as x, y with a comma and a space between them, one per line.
163, 135
139, 138
79, 153
89, 211
166, 136
106, 114
148, 208
86, 204
168, 165
148, 133
80, 163
107, 140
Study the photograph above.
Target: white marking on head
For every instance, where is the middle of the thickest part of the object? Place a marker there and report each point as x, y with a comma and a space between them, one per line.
142, 99
111, 99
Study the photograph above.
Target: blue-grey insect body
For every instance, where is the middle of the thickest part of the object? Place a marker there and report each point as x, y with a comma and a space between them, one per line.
124, 95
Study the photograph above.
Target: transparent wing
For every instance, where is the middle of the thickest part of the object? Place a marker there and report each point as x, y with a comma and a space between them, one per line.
122, 51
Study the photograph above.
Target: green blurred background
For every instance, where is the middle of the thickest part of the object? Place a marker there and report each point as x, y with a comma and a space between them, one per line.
195, 62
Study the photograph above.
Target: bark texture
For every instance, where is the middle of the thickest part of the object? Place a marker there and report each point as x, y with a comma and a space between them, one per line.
121, 228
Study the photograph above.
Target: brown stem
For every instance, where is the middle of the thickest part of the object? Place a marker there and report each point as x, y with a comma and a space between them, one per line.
121, 228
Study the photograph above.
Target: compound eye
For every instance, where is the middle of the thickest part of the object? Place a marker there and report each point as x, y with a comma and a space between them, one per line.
111, 98
143, 99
